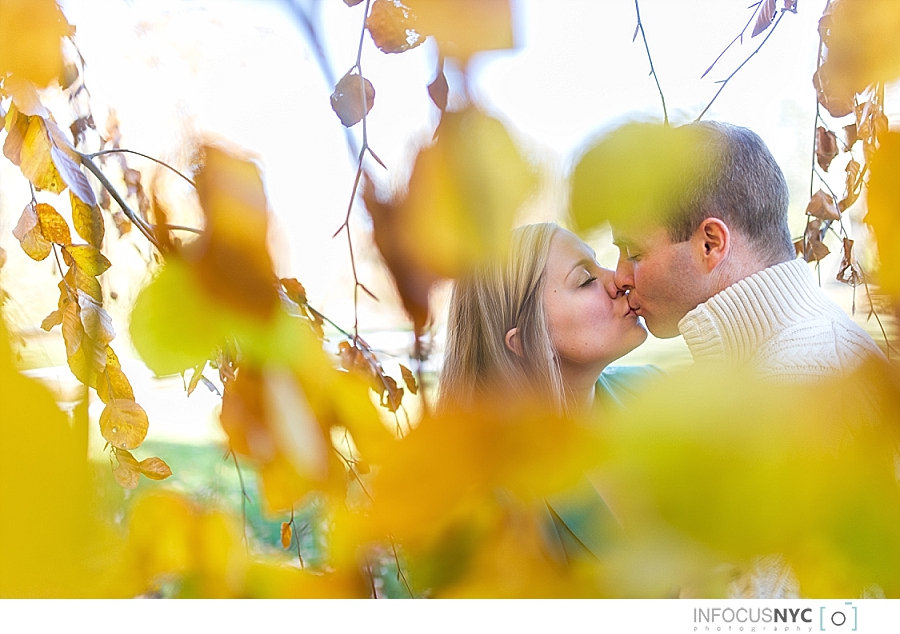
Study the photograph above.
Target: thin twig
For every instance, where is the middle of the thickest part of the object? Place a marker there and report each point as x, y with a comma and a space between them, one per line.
874, 312
146, 156
312, 34
244, 497
739, 36
640, 27
137, 220
744, 63
400, 574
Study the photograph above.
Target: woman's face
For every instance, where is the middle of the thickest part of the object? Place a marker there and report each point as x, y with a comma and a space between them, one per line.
590, 321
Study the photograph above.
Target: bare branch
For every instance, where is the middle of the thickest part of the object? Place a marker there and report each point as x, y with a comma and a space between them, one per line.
640, 27
146, 156
744, 63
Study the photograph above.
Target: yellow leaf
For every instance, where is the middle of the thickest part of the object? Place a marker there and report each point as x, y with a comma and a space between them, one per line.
76, 279
16, 125
53, 226
87, 258
25, 96
30, 40
96, 321
112, 383
884, 210
124, 424
28, 232
88, 221
195, 377
155, 468
79, 348
37, 160
465, 27
286, 535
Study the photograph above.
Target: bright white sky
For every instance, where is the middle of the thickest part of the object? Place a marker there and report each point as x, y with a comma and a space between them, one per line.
174, 69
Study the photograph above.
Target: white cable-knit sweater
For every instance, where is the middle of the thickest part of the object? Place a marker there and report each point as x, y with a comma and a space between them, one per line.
780, 322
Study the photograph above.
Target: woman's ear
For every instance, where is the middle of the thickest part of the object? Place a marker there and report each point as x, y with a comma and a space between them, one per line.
512, 341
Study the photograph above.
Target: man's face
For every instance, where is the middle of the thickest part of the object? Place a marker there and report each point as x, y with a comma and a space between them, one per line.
663, 279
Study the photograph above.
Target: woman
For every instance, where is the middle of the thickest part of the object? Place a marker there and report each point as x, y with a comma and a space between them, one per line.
544, 324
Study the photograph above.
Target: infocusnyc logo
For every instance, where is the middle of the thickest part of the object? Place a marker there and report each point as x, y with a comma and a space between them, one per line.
834, 617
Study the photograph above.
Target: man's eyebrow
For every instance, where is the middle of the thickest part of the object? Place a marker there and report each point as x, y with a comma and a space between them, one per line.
622, 242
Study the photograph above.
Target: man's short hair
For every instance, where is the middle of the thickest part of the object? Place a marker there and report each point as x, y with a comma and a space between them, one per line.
677, 177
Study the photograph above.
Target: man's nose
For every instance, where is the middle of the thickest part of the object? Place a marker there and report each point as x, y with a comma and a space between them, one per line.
624, 276
608, 278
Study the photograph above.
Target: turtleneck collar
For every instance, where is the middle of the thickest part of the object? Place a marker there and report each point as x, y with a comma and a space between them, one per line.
733, 324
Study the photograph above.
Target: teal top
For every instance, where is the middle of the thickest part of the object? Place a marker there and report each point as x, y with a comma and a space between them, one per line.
580, 523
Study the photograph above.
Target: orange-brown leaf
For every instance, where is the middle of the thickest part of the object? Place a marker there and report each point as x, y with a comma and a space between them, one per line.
392, 27
87, 258
821, 205
409, 379
850, 135
155, 468
124, 424
847, 272
233, 265
286, 535
28, 232
853, 185
438, 90
764, 18
53, 226
88, 221
128, 472
826, 147
347, 99
295, 291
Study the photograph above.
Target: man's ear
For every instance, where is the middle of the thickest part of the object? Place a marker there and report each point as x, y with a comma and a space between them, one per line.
512, 341
714, 239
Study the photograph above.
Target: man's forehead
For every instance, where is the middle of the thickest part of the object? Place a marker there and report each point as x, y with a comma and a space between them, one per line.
637, 233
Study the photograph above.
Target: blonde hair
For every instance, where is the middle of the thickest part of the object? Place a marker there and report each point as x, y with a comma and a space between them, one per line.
503, 294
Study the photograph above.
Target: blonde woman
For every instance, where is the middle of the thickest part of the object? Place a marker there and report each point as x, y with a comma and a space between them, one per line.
545, 323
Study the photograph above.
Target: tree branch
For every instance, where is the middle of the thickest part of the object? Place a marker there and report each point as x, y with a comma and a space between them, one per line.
744, 63
640, 27
133, 217
146, 156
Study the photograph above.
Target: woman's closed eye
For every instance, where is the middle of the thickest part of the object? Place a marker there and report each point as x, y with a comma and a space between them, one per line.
590, 280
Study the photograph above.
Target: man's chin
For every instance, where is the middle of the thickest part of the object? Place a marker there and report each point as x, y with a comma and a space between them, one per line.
661, 331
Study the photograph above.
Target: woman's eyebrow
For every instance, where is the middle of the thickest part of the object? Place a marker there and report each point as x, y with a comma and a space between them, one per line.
583, 263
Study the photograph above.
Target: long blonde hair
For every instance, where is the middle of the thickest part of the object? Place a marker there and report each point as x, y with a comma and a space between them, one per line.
503, 294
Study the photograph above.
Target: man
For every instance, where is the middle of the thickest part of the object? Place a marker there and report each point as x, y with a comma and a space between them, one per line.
700, 218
